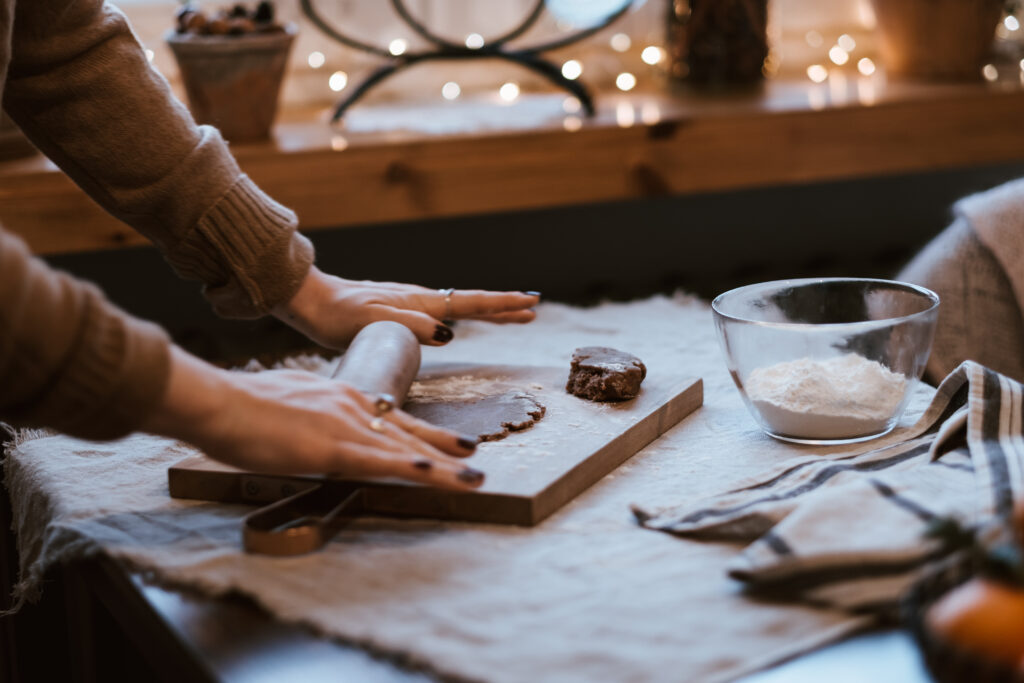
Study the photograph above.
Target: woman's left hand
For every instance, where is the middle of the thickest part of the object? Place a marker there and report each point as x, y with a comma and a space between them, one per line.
331, 310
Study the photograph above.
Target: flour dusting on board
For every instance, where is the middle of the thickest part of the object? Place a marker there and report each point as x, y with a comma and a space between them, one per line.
457, 388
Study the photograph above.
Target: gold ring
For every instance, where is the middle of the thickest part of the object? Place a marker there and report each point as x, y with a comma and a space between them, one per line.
447, 294
377, 424
384, 403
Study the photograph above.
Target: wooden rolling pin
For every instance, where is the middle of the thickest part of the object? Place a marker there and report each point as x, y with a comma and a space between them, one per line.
382, 359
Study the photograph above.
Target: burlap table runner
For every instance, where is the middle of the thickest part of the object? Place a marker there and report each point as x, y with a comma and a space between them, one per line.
587, 595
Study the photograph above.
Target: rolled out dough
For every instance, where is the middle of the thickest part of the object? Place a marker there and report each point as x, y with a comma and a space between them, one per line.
487, 407
487, 417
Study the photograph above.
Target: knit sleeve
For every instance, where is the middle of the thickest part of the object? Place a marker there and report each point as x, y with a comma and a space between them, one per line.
69, 359
81, 88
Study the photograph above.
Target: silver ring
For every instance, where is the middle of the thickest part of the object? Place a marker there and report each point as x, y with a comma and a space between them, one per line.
384, 403
447, 294
377, 424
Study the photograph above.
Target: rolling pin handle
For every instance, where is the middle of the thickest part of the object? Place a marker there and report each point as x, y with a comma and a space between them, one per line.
382, 361
304, 522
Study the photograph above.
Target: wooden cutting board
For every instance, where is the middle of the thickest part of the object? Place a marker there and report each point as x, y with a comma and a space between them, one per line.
530, 474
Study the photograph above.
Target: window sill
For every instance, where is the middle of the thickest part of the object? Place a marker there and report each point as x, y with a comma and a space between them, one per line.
403, 162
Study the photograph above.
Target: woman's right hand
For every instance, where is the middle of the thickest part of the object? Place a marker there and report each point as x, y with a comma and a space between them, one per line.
294, 422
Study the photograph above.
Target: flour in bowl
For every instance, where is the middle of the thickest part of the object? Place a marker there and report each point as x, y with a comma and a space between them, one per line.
836, 398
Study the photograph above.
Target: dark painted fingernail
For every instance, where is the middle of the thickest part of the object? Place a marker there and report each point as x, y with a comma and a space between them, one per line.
470, 476
449, 322
536, 294
467, 442
422, 464
443, 334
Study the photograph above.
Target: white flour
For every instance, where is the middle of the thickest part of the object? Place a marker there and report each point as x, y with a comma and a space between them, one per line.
838, 398
456, 388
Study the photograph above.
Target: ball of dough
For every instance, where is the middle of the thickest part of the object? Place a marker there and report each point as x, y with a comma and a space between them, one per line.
599, 373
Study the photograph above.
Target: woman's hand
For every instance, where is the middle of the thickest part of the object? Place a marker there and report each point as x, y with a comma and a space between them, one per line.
294, 422
330, 310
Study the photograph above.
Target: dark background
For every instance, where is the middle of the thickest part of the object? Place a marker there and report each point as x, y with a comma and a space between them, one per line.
703, 244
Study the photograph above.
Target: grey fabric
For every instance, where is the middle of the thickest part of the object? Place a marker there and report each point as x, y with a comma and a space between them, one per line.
849, 530
979, 317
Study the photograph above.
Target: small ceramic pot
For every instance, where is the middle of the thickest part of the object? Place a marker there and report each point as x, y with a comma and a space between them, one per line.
936, 39
233, 82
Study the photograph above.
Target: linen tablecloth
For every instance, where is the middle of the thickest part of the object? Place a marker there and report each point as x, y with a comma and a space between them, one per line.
587, 595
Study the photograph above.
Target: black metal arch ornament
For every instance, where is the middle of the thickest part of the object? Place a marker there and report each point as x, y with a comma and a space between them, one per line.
444, 49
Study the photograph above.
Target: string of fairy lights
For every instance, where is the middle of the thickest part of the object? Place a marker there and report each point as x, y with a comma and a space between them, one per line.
835, 59
510, 90
841, 55
1009, 28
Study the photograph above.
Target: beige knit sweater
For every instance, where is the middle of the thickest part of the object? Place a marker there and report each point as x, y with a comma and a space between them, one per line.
76, 81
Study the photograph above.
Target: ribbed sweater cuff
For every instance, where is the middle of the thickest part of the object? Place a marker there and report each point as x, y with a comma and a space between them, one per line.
115, 378
247, 252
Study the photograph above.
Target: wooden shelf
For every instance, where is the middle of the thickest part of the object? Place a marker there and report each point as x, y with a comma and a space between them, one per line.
402, 162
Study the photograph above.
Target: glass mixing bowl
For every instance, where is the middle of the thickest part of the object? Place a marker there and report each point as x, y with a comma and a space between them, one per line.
826, 361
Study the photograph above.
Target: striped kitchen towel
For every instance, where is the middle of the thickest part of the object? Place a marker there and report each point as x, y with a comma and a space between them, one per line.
848, 530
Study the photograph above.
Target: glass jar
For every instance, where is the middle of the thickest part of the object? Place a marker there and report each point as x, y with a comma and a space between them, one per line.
717, 42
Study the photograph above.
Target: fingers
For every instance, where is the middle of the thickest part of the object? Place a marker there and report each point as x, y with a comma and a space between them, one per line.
360, 462
427, 329
474, 303
507, 317
452, 443
416, 450
388, 450
425, 318
295, 422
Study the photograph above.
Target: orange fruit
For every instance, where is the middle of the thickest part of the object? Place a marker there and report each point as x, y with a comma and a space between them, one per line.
984, 617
